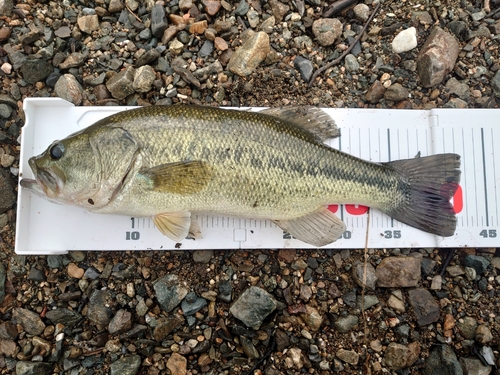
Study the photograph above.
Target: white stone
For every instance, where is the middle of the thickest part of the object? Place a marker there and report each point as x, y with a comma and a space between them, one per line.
6, 68
405, 41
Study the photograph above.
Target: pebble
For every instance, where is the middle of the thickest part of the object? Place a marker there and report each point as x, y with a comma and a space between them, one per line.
143, 78
364, 276
396, 303
89, 23
30, 321
467, 327
405, 41
474, 366
312, 318
351, 63
249, 348
126, 365
169, 292
453, 86
442, 360
6, 68
225, 291
253, 52
375, 93
253, 306
165, 326
327, 30
68, 88
212, 6
348, 356
479, 263
99, 307
398, 356
424, 305
192, 304
177, 364
437, 57
398, 272
35, 70
202, 256
495, 84
33, 368
75, 271
63, 315
304, 66
121, 84
346, 324
483, 334
396, 93
121, 322
361, 12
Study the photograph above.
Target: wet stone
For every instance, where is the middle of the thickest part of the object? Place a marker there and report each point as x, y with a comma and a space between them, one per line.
99, 311
192, 304
35, 70
253, 306
425, 306
169, 292
29, 320
126, 366
33, 368
64, 316
442, 361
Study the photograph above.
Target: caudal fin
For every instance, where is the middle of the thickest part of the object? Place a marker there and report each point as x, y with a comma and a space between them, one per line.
431, 183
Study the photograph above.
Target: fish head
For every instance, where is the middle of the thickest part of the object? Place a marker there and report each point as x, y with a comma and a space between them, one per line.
85, 169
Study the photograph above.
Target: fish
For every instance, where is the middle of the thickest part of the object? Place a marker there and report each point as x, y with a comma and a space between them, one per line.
170, 162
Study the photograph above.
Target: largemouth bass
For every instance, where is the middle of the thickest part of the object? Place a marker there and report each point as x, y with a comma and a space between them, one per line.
169, 162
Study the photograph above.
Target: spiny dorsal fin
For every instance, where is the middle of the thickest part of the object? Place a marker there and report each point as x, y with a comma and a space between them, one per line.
319, 228
185, 177
313, 119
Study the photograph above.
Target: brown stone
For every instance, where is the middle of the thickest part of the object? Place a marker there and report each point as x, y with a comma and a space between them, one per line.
287, 255
220, 44
398, 272
399, 356
375, 93
425, 306
211, 6
4, 33
198, 27
75, 271
177, 364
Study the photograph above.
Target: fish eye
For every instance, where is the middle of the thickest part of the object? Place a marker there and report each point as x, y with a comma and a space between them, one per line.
57, 151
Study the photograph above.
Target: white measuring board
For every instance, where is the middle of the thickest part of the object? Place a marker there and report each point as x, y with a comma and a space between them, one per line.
374, 134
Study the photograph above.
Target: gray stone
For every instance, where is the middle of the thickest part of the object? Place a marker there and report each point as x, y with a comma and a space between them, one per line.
246, 58
427, 266
169, 292
348, 356
33, 368
192, 304
437, 57
473, 366
425, 306
158, 20
479, 263
368, 301
455, 103
35, 70
364, 276
253, 18
398, 272
442, 361
29, 320
396, 93
225, 291
467, 327
202, 256
89, 23
115, 6
399, 356
483, 334
3, 276
459, 28
206, 49
7, 348
253, 306
327, 30
345, 324
351, 63
458, 88
6, 7
279, 9
148, 57
126, 365
488, 355
55, 261
121, 84
121, 322
248, 348
362, 12
68, 88
35, 274
242, 8
144, 78
304, 66
405, 41
64, 316
5, 111
99, 304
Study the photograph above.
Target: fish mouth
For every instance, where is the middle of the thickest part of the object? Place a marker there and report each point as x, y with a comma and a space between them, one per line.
46, 182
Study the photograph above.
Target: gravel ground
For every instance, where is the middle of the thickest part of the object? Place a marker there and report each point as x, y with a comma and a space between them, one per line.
427, 311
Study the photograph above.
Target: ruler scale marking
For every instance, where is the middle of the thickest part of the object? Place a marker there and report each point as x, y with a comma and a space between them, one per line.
484, 178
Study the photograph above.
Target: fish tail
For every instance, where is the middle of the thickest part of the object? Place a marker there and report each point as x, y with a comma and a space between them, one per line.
430, 183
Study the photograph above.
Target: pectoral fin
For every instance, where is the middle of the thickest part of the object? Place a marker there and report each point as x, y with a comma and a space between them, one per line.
318, 228
174, 225
186, 177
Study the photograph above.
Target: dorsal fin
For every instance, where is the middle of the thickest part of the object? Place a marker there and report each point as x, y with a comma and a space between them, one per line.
313, 119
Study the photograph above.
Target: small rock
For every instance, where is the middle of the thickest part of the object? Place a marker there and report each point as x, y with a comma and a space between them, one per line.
279, 9
169, 292
367, 301
63, 32
176, 46
375, 93
495, 84
253, 18
442, 361
115, 6
351, 63
346, 324
120, 323
149, 57
437, 282
206, 49
75, 271
249, 348
192, 304
398, 272
304, 66
99, 304
202, 256
68, 88
177, 364
6, 68
33, 368
327, 30
6, 7
483, 334
34, 71
348, 356
364, 276
312, 318
437, 57
473, 366
74, 60
225, 291
487, 353
165, 326
288, 255
399, 356
8, 331
4, 32
362, 12
453, 86
397, 93
88, 24
158, 20
253, 306
405, 41
467, 327
246, 58
212, 6
396, 303
479, 263
425, 306
220, 44
65, 316
30, 321
144, 78
242, 8
121, 84
126, 365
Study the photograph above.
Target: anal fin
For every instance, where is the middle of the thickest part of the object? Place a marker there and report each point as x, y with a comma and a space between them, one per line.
318, 228
174, 225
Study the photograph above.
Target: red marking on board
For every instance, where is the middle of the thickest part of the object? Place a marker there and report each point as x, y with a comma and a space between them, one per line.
458, 200
356, 209
333, 208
